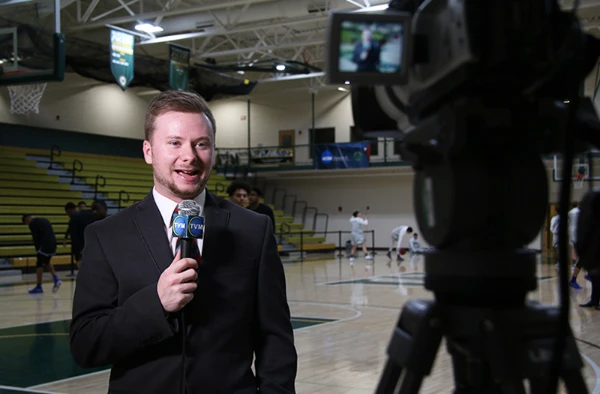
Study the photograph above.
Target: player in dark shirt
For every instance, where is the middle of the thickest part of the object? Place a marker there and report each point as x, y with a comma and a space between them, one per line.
255, 205
44, 241
78, 221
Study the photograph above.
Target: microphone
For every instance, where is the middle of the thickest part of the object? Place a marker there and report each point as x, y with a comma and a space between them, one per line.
188, 226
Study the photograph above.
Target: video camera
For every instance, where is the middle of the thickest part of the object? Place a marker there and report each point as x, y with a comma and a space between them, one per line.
476, 91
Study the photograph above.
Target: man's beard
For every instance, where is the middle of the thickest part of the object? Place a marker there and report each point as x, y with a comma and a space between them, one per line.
188, 194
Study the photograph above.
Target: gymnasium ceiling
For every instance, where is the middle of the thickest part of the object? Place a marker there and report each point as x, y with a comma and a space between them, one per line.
253, 35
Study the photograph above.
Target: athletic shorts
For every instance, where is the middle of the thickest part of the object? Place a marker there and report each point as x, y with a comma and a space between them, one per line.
357, 239
42, 260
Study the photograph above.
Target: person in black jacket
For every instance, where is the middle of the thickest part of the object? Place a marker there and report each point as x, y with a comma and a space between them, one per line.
588, 243
44, 241
217, 322
257, 206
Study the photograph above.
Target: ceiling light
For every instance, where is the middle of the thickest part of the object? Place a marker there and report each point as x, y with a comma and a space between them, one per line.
347, 82
381, 7
280, 67
148, 28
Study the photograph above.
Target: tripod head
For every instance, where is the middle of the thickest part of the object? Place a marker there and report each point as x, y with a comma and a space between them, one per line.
476, 92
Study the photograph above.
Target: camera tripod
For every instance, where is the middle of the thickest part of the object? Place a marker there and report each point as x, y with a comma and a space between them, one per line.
495, 343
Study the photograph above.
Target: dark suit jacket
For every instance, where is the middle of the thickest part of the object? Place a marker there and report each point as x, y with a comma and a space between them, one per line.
239, 309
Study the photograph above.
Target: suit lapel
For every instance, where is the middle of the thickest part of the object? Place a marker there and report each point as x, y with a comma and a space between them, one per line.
216, 220
151, 228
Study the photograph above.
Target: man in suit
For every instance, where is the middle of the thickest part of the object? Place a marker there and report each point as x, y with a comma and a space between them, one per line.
367, 52
172, 325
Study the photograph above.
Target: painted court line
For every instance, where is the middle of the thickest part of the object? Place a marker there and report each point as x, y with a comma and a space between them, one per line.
357, 314
26, 390
596, 371
87, 375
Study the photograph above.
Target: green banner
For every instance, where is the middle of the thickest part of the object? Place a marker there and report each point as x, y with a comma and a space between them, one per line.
121, 57
179, 64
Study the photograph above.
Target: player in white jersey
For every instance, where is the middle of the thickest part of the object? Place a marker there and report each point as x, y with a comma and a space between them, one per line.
357, 235
573, 220
397, 236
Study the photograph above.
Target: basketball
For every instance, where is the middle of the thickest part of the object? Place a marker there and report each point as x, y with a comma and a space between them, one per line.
403, 251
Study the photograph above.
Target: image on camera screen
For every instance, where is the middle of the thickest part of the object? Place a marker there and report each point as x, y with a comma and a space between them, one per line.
370, 47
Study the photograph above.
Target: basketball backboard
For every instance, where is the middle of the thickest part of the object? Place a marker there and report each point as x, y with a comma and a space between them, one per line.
32, 48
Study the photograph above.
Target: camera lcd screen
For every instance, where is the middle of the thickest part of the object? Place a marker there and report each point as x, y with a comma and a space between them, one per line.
368, 48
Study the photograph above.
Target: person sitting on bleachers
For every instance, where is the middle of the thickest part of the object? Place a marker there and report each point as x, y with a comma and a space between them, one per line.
44, 241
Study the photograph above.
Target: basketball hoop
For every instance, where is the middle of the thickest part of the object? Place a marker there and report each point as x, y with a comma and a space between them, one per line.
26, 98
578, 181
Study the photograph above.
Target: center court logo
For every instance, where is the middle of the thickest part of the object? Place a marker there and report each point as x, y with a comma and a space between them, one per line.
326, 157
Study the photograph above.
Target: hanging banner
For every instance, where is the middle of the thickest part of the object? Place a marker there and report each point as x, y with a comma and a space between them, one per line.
349, 155
179, 65
121, 57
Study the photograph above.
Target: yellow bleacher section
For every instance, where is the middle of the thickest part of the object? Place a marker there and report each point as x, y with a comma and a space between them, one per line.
26, 187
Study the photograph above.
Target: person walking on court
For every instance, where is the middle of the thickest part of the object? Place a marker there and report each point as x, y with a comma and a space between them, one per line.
554, 223
215, 323
397, 236
357, 235
413, 244
573, 218
44, 241
78, 221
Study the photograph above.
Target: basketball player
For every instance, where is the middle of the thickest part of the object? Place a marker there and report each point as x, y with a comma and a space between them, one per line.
358, 238
44, 241
397, 236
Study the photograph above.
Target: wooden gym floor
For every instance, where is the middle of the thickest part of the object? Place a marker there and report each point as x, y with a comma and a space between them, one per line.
343, 320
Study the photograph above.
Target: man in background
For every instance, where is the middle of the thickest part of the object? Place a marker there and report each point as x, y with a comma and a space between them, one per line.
257, 206
78, 222
238, 193
99, 210
44, 241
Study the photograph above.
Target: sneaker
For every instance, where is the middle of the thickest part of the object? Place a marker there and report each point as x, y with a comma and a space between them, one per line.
369, 257
36, 290
399, 258
574, 284
588, 277
389, 255
57, 284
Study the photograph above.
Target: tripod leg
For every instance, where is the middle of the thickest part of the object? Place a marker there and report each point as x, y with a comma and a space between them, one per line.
412, 349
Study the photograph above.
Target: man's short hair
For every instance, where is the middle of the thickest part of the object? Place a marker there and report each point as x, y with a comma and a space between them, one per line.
257, 191
176, 101
355, 213
99, 203
70, 205
25, 217
235, 185
409, 230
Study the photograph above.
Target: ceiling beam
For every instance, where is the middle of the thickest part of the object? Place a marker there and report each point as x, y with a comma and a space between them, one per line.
156, 14
220, 31
262, 48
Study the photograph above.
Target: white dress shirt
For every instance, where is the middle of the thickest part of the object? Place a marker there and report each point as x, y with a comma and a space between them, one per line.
166, 208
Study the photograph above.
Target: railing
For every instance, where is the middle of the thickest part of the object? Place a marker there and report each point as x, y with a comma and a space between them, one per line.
54, 152
382, 152
340, 244
296, 203
220, 187
122, 194
285, 197
77, 166
275, 194
100, 182
326, 216
284, 229
304, 214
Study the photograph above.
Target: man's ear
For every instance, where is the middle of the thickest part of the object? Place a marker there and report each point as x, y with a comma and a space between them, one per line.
147, 149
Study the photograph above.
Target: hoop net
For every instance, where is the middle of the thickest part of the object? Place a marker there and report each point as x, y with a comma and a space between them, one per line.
578, 181
26, 98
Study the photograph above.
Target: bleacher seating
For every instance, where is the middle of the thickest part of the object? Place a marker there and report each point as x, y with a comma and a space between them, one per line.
28, 185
